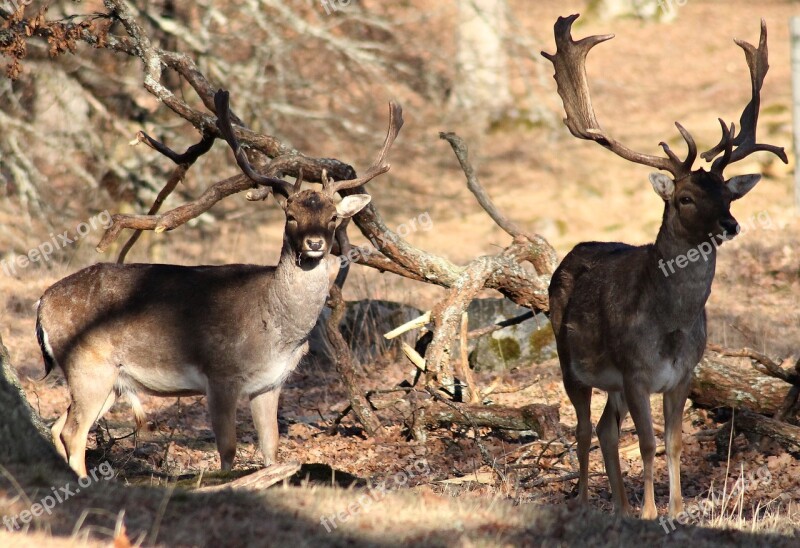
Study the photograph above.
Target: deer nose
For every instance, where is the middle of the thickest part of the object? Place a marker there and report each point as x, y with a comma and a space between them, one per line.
314, 245
730, 226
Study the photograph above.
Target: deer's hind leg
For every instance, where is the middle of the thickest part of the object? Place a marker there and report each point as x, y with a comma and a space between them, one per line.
91, 387
608, 430
581, 397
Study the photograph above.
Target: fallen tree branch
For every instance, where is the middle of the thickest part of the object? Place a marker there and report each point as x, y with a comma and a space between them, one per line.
184, 162
537, 417
787, 435
481, 331
725, 382
770, 367
257, 481
545, 261
344, 365
420, 408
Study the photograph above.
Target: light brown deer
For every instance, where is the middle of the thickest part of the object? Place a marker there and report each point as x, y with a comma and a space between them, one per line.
626, 320
174, 330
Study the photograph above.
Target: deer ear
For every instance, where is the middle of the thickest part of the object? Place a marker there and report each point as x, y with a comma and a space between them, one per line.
663, 185
350, 205
742, 184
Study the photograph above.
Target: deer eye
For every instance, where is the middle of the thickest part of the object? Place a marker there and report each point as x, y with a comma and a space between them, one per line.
685, 200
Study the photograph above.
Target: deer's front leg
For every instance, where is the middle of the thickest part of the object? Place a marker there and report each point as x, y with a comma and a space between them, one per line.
638, 399
264, 408
222, 408
674, 400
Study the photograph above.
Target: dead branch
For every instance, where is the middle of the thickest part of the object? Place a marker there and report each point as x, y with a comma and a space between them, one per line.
464, 370
481, 331
446, 317
344, 365
545, 260
540, 418
787, 435
511, 279
184, 162
259, 480
770, 367
177, 216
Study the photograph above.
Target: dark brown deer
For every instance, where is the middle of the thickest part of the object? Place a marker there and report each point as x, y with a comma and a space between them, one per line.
631, 320
174, 330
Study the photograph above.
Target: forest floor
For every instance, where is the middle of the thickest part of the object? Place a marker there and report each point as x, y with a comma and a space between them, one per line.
467, 486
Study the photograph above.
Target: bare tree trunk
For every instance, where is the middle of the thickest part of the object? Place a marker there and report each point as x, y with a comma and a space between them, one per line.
24, 439
482, 88
656, 10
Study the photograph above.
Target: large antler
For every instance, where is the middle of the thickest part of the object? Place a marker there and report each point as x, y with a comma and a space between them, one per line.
573, 87
222, 105
745, 141
379, 166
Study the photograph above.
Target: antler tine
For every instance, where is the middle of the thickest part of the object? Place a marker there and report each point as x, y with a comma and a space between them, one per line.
573, 87
745, 141
222, 105
725, 146
691, 155
379, 166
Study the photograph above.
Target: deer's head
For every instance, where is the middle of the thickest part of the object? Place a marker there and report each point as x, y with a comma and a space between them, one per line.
311, 215
311, 219
697, 206
696, 202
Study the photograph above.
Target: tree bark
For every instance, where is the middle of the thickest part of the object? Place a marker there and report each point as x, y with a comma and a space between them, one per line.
652, 10
733, 382
787, 435
483, 88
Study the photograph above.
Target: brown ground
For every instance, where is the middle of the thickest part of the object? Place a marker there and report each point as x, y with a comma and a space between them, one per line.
569, 191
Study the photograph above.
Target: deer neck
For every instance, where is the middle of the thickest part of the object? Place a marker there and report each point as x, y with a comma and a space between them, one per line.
297, 293
684, 271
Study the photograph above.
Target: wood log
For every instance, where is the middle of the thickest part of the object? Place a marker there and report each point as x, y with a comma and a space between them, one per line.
418, 409
538, 417
787, 435
733, 382
262, 479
